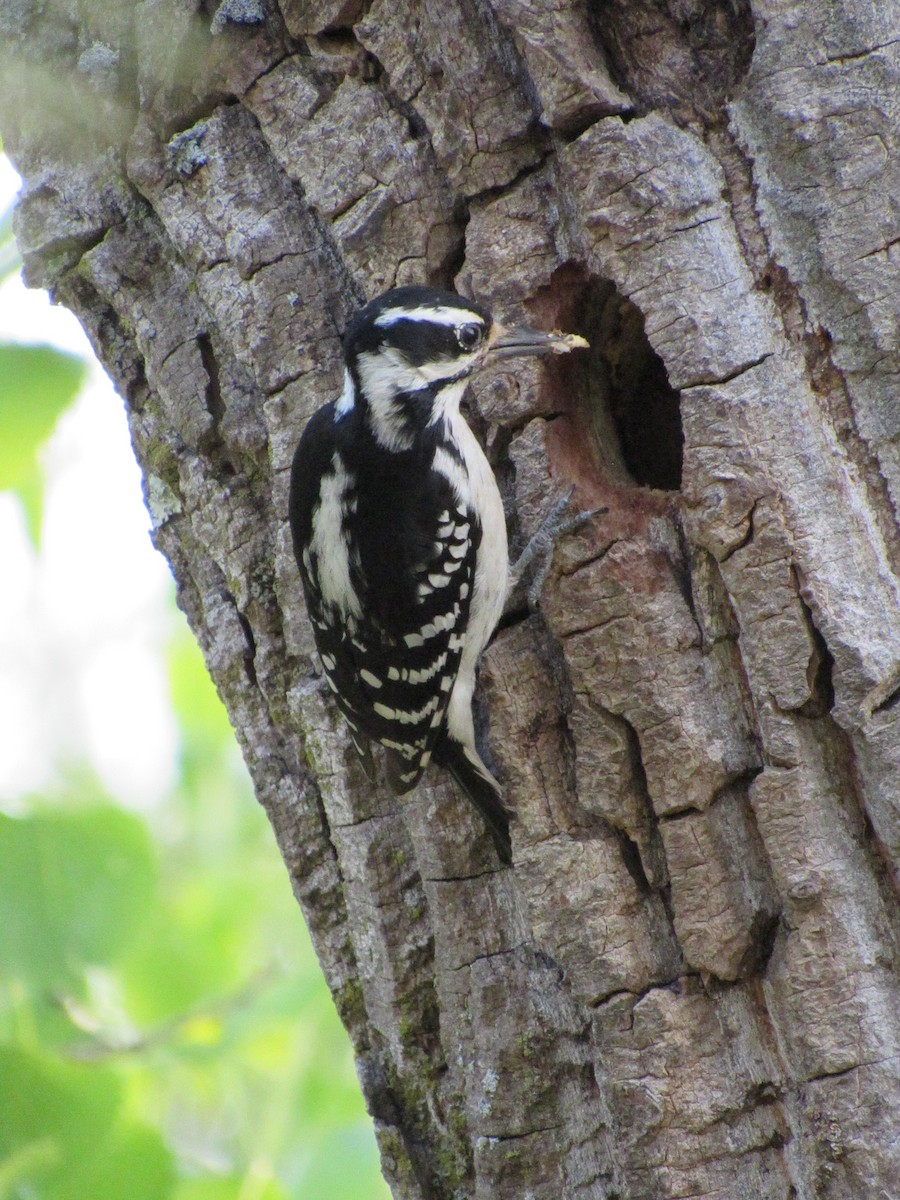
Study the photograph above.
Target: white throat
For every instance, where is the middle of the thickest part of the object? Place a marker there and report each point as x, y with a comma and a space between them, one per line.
446, 404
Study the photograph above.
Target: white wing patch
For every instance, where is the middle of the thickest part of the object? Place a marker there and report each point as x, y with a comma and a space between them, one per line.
328, 543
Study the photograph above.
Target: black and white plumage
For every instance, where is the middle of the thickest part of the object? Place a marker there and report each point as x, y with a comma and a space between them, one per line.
400, 536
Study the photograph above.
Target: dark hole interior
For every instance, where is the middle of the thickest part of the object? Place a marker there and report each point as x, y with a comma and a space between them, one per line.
644, 408
619, 390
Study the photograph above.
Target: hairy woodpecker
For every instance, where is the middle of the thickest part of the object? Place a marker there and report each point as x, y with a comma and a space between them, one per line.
400, 537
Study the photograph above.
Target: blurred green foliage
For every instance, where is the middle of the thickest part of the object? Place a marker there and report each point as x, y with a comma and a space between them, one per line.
36, 384
165, 1030
10, 259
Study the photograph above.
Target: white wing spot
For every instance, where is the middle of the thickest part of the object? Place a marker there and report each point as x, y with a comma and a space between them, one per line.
328, 662
440, 624
425, 673
404, 748
446, 622
439, 581
407, 718
370, 679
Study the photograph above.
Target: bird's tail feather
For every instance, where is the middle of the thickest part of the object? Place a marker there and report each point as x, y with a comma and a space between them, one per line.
482, 789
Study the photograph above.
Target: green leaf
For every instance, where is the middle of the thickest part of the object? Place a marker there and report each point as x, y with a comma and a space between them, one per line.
44, 1101
201, 714
73, 889
133, 1163
192, 950
63, 1136
36, 384
232, 1187
344, 1167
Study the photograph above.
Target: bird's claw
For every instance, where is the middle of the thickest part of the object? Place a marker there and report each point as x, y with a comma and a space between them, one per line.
541, 544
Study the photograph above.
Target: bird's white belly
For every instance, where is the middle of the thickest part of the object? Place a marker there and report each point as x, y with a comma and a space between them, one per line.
476, 488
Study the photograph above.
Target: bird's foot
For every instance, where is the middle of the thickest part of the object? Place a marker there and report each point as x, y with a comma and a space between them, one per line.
536, 557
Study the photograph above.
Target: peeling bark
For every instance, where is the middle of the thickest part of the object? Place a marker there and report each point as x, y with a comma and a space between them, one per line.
687, 985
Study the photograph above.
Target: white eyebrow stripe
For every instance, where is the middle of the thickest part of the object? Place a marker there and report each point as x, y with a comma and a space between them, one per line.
440, 314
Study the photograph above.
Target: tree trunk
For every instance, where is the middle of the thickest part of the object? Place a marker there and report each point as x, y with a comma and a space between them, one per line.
686, 986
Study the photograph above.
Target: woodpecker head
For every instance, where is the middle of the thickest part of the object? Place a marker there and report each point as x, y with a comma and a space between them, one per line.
410, 352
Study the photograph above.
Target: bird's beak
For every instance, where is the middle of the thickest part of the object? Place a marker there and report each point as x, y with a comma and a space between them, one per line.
520, 340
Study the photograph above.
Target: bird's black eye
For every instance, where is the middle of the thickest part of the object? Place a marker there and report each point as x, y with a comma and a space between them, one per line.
469, 336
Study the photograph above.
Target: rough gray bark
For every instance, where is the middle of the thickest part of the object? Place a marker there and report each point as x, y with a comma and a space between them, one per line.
687, 985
